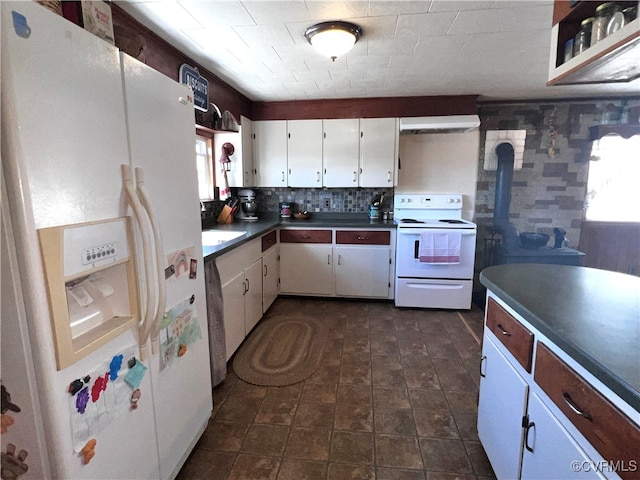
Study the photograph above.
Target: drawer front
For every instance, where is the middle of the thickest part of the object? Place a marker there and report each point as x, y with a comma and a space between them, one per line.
363, 237
305, 236
609, 430
512, 334
234, 262
269, 240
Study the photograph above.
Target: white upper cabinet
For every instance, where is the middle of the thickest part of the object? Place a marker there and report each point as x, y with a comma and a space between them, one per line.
241, 166
335, 153
246, 132
270, 153
304, 153
378, 152
341, 146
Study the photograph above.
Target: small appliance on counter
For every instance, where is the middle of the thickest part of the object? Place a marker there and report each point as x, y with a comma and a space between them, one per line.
248, 207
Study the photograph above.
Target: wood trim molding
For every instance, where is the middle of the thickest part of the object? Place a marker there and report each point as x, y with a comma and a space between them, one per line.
381, 107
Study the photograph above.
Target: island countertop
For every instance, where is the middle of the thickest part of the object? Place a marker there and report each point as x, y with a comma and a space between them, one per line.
593, 315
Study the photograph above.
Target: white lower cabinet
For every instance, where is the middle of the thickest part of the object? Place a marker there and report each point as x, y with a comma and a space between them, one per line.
362, 271
501, 407
234, 329
242, 305
306, 268
241, 277
341, 262
547, 443
270, 277
252, 296
538, 416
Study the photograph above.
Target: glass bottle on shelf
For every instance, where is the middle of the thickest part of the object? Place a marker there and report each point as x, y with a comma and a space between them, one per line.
583, 37
601, 21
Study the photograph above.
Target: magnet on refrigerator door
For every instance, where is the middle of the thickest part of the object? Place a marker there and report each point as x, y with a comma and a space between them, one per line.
181, 261
101, 400
180, 327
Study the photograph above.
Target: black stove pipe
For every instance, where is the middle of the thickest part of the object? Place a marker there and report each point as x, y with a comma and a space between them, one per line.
504, 180
502, 203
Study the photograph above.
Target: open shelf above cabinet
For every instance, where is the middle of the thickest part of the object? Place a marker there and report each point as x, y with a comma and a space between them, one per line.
613, 59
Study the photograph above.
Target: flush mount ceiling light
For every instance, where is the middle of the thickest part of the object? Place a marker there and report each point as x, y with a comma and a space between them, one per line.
333, 39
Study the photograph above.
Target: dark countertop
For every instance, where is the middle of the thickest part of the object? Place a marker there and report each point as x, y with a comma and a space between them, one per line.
593, 315
269, 221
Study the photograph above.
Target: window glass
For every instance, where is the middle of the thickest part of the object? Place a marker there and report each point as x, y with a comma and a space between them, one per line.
204, 164
614, 172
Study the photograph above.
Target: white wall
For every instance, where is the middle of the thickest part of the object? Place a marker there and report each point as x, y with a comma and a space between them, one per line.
441, 163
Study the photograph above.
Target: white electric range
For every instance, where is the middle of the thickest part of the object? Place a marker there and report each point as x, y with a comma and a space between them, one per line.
425, 284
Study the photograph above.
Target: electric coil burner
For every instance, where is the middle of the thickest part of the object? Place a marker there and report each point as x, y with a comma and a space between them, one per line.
433, 284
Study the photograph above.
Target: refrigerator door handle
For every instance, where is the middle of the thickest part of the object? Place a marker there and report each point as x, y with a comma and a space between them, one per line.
159, 250
138, 212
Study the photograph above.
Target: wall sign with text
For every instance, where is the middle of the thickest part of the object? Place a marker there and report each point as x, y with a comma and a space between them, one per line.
200, 86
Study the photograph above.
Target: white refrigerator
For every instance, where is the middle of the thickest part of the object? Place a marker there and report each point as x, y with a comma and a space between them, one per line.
88, 389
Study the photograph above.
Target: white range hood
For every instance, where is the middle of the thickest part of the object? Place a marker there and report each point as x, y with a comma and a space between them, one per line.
439, 124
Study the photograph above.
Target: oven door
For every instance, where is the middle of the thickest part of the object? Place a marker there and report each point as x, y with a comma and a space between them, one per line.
408, 263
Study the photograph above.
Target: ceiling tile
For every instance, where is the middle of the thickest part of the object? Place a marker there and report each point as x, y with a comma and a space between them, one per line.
495, 49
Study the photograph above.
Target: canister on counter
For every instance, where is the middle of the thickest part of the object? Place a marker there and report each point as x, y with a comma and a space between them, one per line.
285, 210
601, 21
583, 37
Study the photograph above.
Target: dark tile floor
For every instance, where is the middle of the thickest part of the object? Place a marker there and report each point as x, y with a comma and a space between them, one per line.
395, 398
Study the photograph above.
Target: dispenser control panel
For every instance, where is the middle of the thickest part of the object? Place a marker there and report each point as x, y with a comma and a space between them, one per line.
101, 252
91, 245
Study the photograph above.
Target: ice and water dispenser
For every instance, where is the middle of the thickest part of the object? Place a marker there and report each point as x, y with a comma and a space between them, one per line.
92, 286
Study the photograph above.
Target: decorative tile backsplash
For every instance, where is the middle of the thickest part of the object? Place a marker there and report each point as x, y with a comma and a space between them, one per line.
340, 200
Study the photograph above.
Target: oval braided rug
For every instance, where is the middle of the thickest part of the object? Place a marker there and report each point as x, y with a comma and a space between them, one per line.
281, 351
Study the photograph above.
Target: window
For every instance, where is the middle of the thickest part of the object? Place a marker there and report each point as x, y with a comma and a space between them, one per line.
614, 172
204, 162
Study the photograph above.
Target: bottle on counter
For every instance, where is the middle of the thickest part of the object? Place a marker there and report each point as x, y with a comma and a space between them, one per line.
604, 12
582, 40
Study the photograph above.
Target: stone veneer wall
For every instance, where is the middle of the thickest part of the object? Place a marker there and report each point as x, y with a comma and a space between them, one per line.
549, 190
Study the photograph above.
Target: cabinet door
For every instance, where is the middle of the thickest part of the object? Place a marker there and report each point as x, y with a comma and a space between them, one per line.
552, 451
306, 268
362, 271
501, 406
246, 133
234, 329
270, 277
378, 151
236, 174
270, 153
253, 296
341, 143
304, 153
